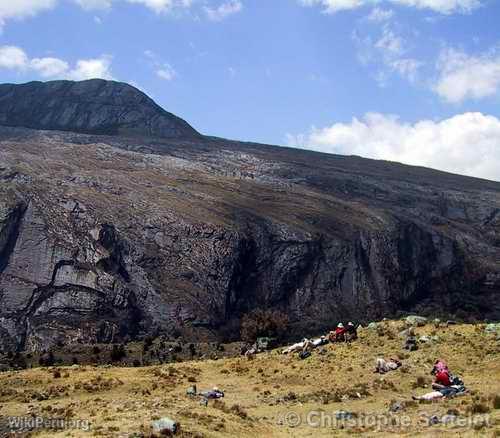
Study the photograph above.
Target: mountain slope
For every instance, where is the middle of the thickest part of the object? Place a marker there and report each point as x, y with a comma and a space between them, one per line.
93, 106
109, 238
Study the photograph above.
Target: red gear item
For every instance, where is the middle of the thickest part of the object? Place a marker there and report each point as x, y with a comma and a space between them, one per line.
443, 378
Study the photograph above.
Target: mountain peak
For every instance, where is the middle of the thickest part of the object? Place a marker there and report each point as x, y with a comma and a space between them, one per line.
94, 106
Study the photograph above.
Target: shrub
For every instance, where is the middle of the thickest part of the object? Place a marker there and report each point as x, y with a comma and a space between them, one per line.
148, 342
118, 353
259, 323
47, 359
479, 408
421, 382
496, 402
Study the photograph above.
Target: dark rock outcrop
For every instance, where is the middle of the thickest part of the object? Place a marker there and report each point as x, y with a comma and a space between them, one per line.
105, 239
93, 106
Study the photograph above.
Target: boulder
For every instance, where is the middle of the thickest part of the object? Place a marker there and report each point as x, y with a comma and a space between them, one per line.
343, 415
416, 321
493, 328
165, 426
397, 406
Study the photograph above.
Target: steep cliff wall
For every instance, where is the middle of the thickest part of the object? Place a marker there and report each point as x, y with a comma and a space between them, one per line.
102, 244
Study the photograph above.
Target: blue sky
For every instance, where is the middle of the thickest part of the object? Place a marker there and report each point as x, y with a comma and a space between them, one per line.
416, 81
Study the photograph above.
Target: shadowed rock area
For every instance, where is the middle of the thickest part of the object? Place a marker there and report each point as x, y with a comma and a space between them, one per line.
108, 238
95, 106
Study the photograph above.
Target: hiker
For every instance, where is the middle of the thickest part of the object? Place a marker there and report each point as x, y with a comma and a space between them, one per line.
339, 334
442, 375
295, 347
442, 380
308, 346
439, 365
213, 393
319, 341
351, 332
383, 366
446, 392
250, 354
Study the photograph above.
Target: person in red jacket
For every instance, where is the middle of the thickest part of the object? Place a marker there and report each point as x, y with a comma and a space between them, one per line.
340, 333
441, 380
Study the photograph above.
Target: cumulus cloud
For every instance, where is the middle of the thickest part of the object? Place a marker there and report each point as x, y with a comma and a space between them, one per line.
16, 9
22, 8
466, 144
224, 10
91, 68
467, 77
440, 6
49, 67
163, 6
15, 58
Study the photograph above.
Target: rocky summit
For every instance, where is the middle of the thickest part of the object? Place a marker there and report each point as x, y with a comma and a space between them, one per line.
119, 221
94, 106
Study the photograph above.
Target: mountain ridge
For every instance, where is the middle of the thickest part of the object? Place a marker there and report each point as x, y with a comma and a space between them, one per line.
92, 106
111, 238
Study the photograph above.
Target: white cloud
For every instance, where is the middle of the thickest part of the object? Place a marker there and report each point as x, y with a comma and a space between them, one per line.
17, 9
49, 67
390, 43
91, 68
378, 14
440, 6
407, 68
94, 4
162, 69
388, 52
467, 144
224, 10
166, 72
467, 77
15, 58
163, 6
332, 6
22, 8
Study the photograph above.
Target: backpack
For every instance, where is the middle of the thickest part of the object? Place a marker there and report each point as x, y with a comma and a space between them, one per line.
304, 354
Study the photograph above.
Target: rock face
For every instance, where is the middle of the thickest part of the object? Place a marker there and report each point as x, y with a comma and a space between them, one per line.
94, 106
111, 238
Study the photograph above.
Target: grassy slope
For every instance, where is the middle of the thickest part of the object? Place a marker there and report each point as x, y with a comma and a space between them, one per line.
121, 401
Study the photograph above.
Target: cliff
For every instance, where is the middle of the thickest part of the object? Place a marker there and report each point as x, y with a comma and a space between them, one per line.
111, 238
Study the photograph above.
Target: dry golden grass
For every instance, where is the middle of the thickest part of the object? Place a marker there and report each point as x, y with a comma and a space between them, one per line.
123, 401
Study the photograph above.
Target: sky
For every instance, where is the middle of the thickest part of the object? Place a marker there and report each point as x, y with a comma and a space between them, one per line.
413, 81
